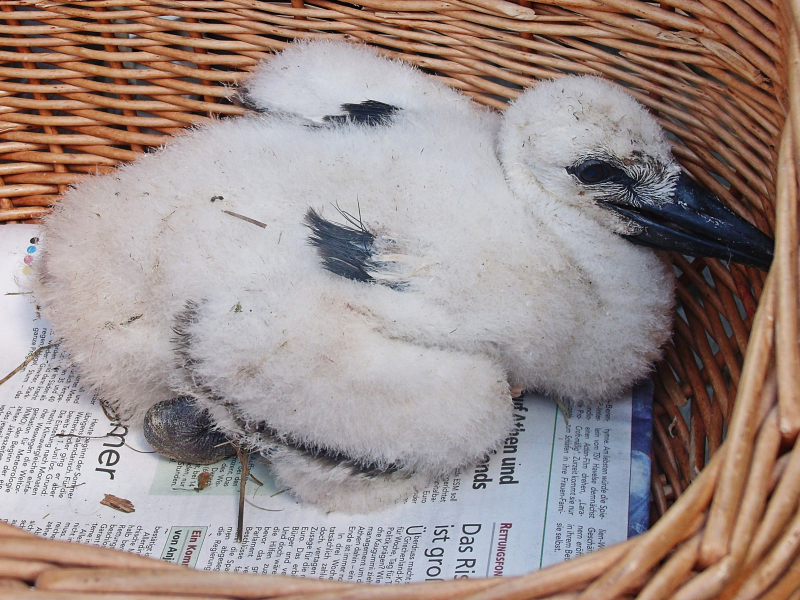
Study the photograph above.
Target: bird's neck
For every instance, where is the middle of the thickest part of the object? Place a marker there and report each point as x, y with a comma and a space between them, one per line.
600, 254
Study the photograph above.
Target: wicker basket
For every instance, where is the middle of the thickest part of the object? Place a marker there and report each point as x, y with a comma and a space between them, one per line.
88, 84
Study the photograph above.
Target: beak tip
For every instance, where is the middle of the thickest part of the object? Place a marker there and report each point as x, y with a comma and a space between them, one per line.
697, 223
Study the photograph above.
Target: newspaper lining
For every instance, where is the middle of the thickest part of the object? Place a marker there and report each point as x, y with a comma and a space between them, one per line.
557, 489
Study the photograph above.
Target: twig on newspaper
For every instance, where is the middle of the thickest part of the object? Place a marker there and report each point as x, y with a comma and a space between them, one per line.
127, 445
81, 436
101, 437
255, 491
262, 507
244, 458
25, 362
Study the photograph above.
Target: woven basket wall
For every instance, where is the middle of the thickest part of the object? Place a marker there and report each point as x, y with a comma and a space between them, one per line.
89, 84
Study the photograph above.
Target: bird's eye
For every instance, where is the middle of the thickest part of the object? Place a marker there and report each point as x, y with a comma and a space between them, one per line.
595, 171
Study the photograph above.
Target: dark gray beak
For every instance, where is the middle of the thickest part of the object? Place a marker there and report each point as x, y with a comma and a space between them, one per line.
698, 224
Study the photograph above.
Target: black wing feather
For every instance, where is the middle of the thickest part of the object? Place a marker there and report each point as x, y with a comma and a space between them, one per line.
369, 112
344, 250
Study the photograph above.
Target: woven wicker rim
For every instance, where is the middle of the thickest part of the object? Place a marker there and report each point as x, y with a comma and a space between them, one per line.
87, 85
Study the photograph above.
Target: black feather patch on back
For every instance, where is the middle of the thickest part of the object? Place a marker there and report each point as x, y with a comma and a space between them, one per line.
369, 112
344, 250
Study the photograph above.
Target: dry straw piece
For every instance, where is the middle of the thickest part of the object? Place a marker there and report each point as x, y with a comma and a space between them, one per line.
86, 85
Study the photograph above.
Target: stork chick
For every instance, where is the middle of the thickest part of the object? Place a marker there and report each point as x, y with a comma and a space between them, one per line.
352, 280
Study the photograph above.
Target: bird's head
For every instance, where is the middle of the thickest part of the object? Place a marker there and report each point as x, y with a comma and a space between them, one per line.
587, 143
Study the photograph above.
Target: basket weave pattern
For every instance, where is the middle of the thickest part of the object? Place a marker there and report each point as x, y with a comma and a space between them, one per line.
89, 84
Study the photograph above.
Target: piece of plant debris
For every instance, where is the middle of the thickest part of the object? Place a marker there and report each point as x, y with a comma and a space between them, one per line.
119, 504
203, 479
244, 459
247, 219
31, 356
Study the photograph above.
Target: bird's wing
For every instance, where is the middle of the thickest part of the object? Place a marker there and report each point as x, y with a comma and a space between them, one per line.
323, 81
311, 382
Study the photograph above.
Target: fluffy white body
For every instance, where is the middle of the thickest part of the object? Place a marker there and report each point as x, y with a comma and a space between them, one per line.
495, 269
